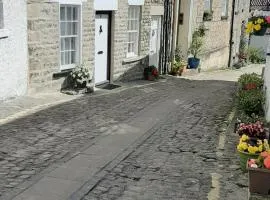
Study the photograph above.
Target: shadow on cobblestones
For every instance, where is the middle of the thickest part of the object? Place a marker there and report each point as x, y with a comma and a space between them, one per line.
175, 163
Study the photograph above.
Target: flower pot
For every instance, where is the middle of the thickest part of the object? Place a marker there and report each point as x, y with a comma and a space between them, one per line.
193, 63
260, 32
244, 157
259, 180
81, 85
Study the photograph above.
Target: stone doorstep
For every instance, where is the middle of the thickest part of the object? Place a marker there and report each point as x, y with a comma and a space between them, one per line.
65, 180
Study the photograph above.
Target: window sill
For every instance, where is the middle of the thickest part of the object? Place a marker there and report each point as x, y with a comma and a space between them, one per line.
133, 59
224, 18
4, 33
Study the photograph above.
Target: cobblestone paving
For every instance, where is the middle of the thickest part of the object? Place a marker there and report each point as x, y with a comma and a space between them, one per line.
31, 144
177, 162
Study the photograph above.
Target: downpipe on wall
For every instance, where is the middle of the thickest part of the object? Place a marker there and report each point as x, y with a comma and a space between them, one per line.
231, 35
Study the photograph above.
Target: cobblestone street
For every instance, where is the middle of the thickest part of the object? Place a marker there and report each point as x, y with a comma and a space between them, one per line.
179, 159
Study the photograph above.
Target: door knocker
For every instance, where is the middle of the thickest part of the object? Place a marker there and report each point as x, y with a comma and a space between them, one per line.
100, 30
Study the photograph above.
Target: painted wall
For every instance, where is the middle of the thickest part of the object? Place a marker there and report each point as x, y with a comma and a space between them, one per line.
13, 50
267, 84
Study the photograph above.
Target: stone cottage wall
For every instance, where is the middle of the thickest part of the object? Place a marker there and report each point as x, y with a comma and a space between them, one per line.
44, 43
13, 50
216, 42
129, 69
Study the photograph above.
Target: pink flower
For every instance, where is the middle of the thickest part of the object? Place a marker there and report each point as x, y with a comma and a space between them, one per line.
267, 19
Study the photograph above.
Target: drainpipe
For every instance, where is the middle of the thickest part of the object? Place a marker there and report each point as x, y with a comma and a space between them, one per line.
176, 7
231, 35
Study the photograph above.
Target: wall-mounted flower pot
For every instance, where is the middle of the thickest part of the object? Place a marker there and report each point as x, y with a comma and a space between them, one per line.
193, 63
260, 32
259, 180
244, 157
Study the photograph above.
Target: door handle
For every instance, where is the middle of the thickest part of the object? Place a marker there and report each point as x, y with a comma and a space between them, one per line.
100, 52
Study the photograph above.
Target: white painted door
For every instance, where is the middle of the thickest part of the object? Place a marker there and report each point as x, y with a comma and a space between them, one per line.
101, 48
155, 35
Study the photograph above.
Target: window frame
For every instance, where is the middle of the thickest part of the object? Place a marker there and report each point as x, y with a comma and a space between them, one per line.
78, 36
226, 14
137, 20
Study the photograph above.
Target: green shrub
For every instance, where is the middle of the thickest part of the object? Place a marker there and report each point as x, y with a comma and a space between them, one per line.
251, 101
255, 55
253, 78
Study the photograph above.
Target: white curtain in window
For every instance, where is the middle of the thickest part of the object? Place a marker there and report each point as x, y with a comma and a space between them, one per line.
133, 30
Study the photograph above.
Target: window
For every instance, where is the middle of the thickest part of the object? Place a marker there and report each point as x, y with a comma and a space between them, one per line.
133, 30
1, 15
224, 7
69, 36
208, 5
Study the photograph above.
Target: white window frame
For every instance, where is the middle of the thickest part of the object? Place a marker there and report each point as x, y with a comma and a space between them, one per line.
78, 4
136, 20
2, 24
226, 9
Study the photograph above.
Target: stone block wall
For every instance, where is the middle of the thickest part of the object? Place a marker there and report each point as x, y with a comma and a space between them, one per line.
124, 69
44, 42
215, 52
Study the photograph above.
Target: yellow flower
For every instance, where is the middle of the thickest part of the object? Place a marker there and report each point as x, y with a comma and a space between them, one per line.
250, 27
260, 148
253, 150
260, 20
244, 138
257, 27
242, 146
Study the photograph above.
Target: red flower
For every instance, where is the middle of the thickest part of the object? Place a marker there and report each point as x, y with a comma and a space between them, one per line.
267, 19
155, 72
266, 162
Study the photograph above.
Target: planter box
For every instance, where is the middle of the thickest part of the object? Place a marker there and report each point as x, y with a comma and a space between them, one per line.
259, 181
244, 157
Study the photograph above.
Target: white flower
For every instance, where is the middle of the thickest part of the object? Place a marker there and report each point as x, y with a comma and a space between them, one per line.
254, 166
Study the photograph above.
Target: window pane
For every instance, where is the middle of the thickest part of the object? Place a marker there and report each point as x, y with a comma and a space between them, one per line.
63, 28
69, 28
62, 44
207, 5
67, 44
67, 58
69, 13
73, 43
62, 13
62, 58
75, 28
73, 57
75, 13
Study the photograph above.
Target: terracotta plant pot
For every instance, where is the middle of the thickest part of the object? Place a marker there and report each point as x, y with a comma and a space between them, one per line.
259, 180
244, 157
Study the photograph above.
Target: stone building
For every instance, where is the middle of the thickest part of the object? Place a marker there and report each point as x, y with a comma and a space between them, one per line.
216, 17
13, 48
113, 39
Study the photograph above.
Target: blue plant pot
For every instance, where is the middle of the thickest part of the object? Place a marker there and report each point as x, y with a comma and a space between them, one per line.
193, 63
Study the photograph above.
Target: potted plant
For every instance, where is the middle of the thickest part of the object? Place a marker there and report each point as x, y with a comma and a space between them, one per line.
79, 77
247, 80
258, 25
151, 73
207, 15
249, 148
195, 49
259, 173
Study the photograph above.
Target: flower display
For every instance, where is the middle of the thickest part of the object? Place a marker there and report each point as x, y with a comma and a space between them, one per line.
252, 145
79, 76
252, 130
256, 24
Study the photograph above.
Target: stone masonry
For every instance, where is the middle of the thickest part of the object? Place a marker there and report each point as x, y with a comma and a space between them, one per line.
44, 43
216, 43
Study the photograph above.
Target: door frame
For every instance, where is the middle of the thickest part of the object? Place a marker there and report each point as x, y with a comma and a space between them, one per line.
109, 13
